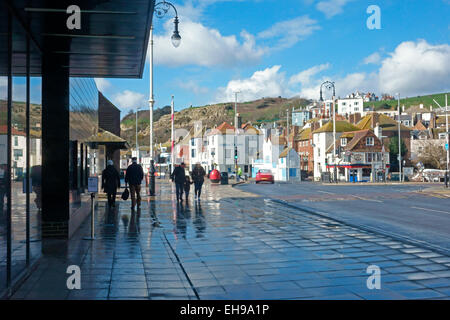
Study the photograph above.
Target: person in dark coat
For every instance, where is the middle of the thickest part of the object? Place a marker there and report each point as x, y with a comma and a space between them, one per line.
110, 182
3, 185
187, 187
198, 175
179, 177
36, 184
134, 177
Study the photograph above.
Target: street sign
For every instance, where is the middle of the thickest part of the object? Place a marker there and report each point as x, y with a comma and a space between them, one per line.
93, 184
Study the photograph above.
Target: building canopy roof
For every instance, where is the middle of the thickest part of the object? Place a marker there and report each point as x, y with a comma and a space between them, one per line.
112, 41
104, 137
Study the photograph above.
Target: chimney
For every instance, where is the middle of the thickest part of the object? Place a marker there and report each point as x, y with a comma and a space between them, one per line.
351, 118
375, 117
432, 121
378, 131
357, 117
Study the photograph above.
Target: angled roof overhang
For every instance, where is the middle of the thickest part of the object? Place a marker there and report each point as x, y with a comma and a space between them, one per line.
112, 41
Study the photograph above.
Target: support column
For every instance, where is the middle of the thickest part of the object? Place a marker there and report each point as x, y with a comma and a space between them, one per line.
55, 147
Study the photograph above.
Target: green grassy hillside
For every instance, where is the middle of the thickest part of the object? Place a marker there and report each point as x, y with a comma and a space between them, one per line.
427, 101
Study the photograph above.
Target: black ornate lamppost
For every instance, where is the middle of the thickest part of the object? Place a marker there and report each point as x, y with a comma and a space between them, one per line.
330, 86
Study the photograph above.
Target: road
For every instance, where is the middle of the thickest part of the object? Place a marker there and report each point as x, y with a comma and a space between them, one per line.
408, 211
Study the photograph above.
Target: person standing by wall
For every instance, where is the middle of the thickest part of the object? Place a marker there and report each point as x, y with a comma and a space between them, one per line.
3, 186
179, 177
110, 183
198, 175
36, 178
134, 177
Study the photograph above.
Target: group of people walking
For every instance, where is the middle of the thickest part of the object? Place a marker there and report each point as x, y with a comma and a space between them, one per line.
183, 182
135, 174
133, 179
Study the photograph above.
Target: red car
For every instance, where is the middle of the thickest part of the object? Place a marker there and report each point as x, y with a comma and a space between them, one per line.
264, 175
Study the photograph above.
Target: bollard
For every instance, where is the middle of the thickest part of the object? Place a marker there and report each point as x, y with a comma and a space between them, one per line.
152, 178
92, 237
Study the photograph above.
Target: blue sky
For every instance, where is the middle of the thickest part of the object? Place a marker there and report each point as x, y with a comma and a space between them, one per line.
270, 48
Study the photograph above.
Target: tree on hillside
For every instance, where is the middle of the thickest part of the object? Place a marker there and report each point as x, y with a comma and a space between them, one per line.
393, 152
433, 155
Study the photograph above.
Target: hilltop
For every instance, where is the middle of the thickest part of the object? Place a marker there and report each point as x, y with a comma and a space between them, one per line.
427, 101
262, 110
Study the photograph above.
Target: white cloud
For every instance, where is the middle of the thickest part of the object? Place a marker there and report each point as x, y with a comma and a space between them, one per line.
332, 7
193, 86
129, 99
266, 83
305, 77
416, 68
374, 58
202, 46
102, 84
289, 32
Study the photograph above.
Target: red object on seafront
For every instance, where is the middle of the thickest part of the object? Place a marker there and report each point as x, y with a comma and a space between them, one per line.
214, 176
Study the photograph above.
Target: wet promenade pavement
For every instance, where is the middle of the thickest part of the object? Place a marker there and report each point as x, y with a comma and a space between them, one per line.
232, 245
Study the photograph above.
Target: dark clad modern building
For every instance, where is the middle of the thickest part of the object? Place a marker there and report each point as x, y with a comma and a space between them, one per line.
44, 63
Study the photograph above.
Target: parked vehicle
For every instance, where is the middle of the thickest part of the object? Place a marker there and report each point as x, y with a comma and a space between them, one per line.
232, 175
264, 175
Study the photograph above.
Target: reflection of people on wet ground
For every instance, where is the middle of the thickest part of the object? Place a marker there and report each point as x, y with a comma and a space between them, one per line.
3, 185
187, 187
125, 220
179, 176
154, 218
111, 216
134, 177
110, 182
181, 220
134, 222
35, 175
199, 221
198, 175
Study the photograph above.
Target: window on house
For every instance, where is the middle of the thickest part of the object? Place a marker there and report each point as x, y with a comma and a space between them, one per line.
369, 157
17, 154
192, 142
16, 141
370, 141
193, 153
356, 103
343, 142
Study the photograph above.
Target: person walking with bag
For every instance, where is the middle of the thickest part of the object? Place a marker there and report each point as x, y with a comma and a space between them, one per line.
110, 182
134, 177
198, 175
179, 177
